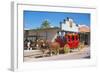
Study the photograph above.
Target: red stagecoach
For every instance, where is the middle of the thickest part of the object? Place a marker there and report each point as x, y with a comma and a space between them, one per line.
69, 39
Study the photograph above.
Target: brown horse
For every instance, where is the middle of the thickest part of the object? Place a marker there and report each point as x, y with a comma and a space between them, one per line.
49, 47
54, 48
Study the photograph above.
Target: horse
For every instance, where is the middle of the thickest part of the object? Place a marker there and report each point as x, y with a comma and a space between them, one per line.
54, 48
48, 47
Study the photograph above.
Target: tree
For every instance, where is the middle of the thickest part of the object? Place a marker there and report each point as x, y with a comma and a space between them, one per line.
45, 24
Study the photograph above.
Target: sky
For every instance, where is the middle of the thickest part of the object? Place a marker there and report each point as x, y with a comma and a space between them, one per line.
34, 19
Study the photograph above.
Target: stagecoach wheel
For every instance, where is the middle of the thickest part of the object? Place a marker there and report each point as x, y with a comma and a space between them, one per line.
66, 49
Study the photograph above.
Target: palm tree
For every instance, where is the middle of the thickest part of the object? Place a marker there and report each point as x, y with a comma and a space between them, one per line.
45, 24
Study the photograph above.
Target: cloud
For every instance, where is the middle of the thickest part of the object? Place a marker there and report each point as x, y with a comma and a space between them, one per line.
83, 25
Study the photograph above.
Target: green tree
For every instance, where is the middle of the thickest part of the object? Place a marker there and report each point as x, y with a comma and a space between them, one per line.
45, 24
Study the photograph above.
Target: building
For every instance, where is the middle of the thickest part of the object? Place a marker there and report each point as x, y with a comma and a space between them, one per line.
44, 34
69, 25
84, 32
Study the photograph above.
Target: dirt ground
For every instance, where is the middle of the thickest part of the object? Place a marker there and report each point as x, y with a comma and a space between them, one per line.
36, 55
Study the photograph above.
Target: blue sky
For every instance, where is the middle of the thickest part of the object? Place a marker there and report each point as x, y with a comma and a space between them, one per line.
34, 19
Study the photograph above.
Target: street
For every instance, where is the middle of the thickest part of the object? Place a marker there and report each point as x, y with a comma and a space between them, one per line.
84, 53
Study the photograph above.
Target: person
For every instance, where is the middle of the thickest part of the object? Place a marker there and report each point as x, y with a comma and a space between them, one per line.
25, 44
28, 45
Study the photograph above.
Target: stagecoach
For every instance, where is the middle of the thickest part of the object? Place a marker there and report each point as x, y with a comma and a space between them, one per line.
69, 41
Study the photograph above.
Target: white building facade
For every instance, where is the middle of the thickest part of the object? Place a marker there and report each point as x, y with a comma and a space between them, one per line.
69, 25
